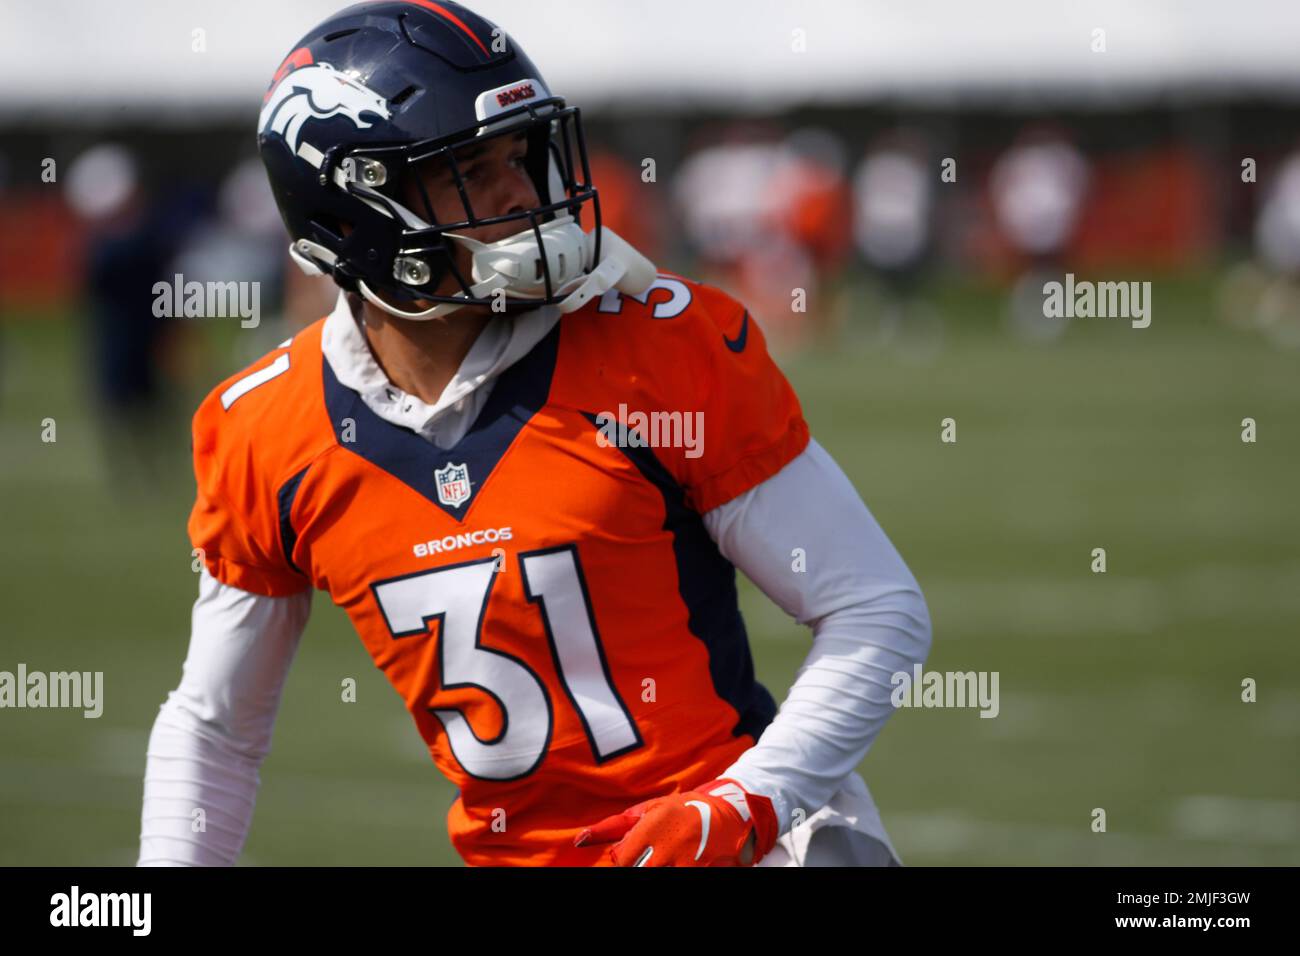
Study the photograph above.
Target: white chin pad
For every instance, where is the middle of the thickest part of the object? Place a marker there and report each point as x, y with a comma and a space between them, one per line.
515, 263
518, 260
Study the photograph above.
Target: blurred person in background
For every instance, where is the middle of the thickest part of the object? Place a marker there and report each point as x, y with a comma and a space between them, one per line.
624, 205
770, 220
1269, 297
127, 249
242, 243
722, 200
1037, 189
893, 206
815, 211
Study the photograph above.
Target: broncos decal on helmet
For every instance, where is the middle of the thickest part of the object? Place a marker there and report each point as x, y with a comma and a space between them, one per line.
317, 92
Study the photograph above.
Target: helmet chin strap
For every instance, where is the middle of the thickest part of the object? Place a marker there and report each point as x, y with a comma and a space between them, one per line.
514, 266
442, 308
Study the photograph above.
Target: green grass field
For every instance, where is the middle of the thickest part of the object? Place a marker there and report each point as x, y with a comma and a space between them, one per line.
1118, 690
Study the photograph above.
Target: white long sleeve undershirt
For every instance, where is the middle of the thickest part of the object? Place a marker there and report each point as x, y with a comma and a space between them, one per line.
867, 615
865, 609
214, 730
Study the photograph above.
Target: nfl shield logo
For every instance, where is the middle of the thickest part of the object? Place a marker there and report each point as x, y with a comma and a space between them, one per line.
453, 484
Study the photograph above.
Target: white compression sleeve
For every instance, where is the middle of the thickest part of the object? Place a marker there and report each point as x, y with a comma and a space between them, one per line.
213, 731
866, 610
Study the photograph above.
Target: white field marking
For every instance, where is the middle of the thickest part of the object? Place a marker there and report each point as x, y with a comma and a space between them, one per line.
76, 463
117, 751
1161, 702
63, 783
1279, 712
120, 751
1239, 819
948, 834
1115, 606
1028, 717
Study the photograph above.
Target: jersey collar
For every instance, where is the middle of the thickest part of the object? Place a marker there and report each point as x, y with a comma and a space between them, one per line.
501, 343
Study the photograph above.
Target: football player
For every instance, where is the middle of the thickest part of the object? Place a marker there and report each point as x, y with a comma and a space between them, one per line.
527, 466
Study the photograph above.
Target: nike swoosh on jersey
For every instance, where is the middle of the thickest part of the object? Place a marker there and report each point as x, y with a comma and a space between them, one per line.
705, 815
738, 343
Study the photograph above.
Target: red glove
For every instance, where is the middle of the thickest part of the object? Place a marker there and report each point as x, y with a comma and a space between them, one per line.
708, 826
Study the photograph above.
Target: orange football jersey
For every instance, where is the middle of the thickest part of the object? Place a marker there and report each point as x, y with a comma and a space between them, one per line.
543, 595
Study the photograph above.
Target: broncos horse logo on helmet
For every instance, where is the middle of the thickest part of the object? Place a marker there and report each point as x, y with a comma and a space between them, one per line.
417, 80
317, 92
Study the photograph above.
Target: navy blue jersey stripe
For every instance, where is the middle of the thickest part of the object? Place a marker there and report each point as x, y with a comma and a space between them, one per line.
285, 497
707, 583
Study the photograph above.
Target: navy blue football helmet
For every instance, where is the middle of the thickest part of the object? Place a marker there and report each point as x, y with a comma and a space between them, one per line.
378, 90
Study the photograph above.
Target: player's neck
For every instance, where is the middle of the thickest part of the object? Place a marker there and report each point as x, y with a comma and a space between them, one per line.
420, 357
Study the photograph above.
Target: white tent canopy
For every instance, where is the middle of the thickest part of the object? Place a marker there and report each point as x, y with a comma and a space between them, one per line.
97, 61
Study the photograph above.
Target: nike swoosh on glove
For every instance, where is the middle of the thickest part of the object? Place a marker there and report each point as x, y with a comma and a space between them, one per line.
707, 826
